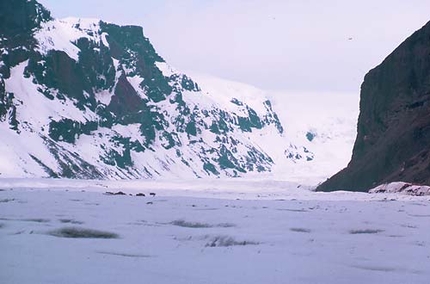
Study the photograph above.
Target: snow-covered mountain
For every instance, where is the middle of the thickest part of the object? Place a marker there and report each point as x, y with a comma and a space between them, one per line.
323, 124
82, 98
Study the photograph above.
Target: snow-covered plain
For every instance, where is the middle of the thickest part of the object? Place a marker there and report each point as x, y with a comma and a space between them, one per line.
208, 231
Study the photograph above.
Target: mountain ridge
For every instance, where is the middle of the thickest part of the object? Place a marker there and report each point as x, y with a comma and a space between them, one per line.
95, 100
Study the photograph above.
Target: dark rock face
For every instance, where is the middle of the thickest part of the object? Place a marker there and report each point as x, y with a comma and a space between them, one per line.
21, 17
18, 20
393, 140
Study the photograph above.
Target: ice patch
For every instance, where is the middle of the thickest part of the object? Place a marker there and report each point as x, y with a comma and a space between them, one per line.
165, 68
104, 40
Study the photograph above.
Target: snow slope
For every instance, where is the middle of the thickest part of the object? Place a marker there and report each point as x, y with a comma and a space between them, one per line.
61, 231
97, 101
325, 124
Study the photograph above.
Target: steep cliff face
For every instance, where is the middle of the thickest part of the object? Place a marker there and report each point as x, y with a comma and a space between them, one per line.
88, 99
18, 21
393, 140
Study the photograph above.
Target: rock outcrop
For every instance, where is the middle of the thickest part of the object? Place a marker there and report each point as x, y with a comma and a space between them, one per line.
393, 140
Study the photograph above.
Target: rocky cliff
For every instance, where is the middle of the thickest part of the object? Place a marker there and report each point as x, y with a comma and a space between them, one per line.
393, 140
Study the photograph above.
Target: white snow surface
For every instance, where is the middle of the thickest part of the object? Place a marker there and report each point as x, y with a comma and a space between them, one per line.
331, 118
402, 187
223, 91
228, 231
61, 35
165, 68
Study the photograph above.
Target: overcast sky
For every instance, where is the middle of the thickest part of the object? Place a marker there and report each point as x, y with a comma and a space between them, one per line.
306, 45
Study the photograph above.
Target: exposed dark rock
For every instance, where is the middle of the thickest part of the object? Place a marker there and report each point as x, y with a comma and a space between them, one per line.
310, 136
115, 193
68, 130
272, 117
97, 64
7, 108
126, 101
59, 71
210, 168
77, 233
21, 16
116, 157
128, 45
18, 20
394, 124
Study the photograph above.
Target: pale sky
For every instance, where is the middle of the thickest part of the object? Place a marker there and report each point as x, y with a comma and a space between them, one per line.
300, 45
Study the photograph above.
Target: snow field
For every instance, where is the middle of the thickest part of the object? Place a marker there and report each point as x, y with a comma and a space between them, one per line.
225, 232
